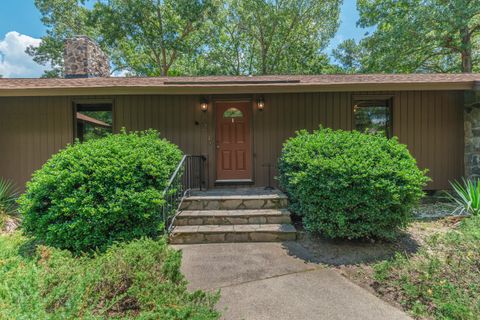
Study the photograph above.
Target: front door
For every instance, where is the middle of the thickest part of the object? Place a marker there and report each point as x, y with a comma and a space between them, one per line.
234, 154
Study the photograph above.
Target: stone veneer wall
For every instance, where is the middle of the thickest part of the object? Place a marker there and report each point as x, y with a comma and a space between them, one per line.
83, 58
472, 134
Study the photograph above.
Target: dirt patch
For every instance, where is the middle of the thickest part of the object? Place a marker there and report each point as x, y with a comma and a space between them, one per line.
355, 259
351, 252
8, 224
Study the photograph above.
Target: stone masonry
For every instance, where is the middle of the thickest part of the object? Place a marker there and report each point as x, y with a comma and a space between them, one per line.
472, 133
83, 58
236, 215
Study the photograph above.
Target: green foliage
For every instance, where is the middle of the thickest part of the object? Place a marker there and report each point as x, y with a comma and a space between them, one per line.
442, 280
201, 37
417, 36
350, 185
92, 194
63, 19
136, 280
8, 197
148, 37
274, 37
466, 196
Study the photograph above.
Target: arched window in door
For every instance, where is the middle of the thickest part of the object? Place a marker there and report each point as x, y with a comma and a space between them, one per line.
232, 113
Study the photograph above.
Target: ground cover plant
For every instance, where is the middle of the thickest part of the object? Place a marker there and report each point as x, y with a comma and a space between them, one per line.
466, 196
441, 280
8, 208
136, 280
350, 185
95, 193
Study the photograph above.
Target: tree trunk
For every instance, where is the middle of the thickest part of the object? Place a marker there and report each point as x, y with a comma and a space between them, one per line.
466, 51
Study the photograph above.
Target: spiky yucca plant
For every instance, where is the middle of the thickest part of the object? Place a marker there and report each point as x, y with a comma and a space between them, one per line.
8, 205
466, 195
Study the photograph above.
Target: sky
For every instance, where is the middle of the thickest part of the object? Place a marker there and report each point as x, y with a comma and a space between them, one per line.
20, 27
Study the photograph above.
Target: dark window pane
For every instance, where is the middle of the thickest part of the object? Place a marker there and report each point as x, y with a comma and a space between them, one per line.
93, 121
373, 117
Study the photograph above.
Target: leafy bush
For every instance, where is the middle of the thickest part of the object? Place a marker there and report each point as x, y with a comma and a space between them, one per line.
350, 185
442, 280
8, 206
140, 280
466, 196
92, 194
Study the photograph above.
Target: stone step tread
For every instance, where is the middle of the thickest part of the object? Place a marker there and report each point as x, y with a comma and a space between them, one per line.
238, 228
237, 197
233, 213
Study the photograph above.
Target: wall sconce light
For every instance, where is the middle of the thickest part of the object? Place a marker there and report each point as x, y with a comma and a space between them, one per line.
260, 103
204, 105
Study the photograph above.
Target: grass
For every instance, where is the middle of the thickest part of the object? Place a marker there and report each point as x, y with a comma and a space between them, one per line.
140, 280
441, 280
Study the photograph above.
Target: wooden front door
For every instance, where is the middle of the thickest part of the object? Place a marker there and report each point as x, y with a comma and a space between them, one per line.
234, 154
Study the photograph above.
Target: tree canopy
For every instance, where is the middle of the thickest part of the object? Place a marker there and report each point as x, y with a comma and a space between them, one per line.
415, 36
196, 37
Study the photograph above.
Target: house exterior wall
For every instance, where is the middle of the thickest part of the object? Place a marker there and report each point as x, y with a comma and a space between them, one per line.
31, 130
472, 134
429, 122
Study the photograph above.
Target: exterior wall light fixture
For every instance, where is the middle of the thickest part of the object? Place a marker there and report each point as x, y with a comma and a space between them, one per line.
260, 103
204, 104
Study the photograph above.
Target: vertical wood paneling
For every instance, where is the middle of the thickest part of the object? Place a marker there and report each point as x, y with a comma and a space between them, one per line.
31, 130
430, 123
286, 113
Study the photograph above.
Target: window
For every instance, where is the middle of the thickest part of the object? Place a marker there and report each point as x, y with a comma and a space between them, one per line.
373, 116
93, 120
232, 113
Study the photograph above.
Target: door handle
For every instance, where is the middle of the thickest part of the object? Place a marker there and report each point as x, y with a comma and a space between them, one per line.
218, 147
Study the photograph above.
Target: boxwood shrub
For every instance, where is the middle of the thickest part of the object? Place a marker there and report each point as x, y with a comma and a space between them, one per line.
92, 194
346, 184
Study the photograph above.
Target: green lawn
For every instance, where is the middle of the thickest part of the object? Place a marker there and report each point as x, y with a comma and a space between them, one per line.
441, 280
140, 279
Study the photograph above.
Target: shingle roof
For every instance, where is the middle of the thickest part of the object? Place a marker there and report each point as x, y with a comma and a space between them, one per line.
236, 83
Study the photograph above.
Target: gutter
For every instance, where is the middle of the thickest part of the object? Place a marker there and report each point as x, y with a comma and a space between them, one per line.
195, 89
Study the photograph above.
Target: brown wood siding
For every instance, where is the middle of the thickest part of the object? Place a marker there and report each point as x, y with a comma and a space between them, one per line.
177, 118
429, 122
431, 125
286, 113
31, 130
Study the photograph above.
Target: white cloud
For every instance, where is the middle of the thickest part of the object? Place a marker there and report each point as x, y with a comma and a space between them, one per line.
14, 62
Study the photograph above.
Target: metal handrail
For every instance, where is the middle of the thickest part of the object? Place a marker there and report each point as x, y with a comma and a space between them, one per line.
188, 175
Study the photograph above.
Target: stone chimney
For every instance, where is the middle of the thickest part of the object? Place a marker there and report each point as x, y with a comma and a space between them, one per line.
83, 58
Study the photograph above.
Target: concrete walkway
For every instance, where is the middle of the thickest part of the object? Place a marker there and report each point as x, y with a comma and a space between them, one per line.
268, 281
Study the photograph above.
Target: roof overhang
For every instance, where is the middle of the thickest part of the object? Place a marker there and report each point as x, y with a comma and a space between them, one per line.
476, 86
194, 89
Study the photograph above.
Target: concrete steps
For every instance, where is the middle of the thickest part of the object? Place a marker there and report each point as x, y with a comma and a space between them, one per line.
233, 216
239, 202
233, 233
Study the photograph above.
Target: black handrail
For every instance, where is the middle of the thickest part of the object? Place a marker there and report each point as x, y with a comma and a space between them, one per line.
189, 175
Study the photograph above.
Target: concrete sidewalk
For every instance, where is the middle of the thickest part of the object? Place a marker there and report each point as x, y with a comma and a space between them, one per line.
266, 281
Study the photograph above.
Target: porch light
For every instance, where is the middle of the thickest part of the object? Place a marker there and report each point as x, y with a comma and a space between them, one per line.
204, 105
260, 103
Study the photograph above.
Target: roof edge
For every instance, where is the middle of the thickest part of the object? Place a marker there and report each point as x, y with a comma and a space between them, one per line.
240, 89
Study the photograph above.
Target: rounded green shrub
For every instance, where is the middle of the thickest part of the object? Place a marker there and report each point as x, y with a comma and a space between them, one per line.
346, 184
95, 193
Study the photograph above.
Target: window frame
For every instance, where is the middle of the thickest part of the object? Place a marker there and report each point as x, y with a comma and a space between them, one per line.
379, 100
77, 102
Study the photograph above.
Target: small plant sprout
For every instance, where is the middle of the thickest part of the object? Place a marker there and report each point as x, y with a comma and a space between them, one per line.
466, 195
